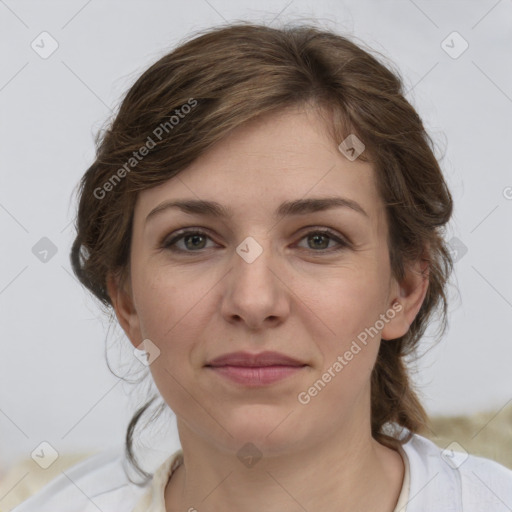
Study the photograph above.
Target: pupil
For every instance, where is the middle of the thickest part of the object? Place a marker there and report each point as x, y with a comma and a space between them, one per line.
316, 237
194, 237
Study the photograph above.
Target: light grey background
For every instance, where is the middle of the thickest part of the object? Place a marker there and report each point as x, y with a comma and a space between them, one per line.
54, 383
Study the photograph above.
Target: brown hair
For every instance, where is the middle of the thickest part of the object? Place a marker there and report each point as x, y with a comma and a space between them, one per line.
229, 75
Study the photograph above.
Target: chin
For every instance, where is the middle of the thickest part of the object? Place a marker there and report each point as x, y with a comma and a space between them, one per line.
269, 428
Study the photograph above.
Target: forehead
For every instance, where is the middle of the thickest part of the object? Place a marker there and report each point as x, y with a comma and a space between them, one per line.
283, 156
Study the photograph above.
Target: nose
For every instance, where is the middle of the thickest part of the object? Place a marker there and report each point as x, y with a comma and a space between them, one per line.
255, 290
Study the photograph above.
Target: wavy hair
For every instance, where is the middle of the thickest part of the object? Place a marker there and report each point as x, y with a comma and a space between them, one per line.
229, 75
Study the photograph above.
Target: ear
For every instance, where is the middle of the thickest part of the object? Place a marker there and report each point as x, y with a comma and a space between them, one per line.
410, 294
122, 302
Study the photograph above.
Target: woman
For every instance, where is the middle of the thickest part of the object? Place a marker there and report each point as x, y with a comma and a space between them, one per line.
265, 218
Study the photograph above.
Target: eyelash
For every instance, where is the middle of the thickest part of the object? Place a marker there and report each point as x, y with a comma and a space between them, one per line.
168, 243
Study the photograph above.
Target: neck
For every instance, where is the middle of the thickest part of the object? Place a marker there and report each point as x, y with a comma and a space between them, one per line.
347, 471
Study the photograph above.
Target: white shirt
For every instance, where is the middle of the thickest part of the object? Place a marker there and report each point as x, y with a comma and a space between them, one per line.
434, 481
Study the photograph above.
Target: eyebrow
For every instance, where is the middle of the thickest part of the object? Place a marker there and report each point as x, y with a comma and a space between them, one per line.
288, 208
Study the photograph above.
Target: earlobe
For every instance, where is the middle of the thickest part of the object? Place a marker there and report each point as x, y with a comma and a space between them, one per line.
122, 302
410, 294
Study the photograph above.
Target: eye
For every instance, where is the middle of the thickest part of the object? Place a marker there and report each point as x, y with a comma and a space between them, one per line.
195, 239
192, 238
321, 237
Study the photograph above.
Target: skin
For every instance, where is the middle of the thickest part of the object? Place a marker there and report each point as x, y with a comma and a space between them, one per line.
298, 298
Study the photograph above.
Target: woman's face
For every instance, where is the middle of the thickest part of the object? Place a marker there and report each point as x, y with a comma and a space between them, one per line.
256, 281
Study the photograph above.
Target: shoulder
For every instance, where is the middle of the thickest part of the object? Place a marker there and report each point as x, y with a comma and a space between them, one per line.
100, 482
485, 481
452, 479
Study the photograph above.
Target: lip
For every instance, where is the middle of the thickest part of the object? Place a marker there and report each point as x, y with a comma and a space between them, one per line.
256, 376
262, 359
255, 370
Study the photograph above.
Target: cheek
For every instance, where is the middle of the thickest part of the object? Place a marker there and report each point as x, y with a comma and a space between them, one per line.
161, 299
346, 303
174, 308
350, 307
169, 312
